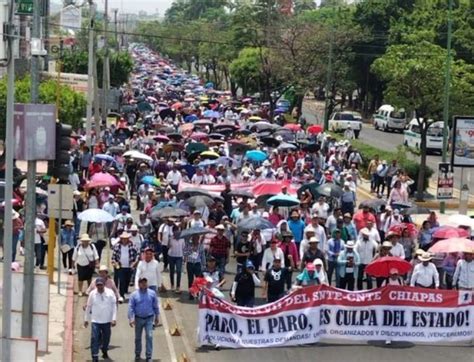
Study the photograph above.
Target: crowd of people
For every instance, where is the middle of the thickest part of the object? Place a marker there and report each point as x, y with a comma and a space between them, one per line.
197, 181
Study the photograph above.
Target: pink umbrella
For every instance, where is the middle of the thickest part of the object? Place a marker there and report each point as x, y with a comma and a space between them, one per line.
198, 136
292, 127
161, 138
447, 232
102, 179
453, 245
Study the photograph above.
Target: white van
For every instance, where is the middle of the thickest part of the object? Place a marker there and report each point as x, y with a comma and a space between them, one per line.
434, 137
388, 118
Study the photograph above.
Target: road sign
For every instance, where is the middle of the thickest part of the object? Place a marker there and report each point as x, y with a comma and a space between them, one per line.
445, 182
24, 7
65, 203
35, 126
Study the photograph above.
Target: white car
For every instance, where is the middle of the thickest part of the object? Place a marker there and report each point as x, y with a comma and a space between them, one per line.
340, 121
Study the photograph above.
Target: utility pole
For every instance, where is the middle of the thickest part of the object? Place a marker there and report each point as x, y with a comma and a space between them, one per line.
90, 73
329, 80
106, 69
447, 81
46, 9
7, 222
117, 45
30, 209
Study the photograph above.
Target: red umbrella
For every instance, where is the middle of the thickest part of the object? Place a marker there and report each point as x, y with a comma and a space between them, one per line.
102, 179
400, 228
315, 129
161, 138
381, 267
453, 245
292, 127
446, 232
177, 105
198, 136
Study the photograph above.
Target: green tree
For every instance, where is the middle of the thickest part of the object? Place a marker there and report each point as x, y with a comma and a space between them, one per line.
414, 74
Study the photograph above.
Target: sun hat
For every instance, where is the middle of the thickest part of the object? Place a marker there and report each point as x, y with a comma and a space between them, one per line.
85, 237
425, 257
387, 244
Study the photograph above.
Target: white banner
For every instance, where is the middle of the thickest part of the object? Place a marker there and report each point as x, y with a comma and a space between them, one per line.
318, 314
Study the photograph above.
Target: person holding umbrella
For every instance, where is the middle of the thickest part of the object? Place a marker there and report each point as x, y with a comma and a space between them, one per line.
243, 288
425, 274
290, 251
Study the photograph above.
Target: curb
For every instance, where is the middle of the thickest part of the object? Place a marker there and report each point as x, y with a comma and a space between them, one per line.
69, 321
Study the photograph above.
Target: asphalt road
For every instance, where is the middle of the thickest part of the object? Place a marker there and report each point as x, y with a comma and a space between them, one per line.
314, 111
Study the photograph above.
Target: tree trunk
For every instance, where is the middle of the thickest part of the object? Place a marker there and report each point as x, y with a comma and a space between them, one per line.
420, 185
299, 103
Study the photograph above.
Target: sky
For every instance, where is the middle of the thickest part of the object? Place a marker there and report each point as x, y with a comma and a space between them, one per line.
134, 6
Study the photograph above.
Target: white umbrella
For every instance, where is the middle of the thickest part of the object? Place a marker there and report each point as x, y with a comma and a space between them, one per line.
461, 220
137, 155
95, 215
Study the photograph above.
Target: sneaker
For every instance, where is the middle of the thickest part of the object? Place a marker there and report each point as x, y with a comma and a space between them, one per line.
105, 355
387, 343
70, 271
80, 294
138, 358
177, 291
120, 300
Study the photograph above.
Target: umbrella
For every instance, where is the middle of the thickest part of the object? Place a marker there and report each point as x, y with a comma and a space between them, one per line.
461, 220
256, 155
167, 112
206, 163
116, 149
242, 193
104, 157
253, 223
191, 118
374, 204
173, 146
161, 138
192, 191
283, 201
311, 147
144, 107
168, 212
270, 141
149, 141
203, 122
102, 179
226, 161
400, 228
150, 180
329, 190
315, 129
95, 215
416, 210
211, 114
215, 136
294, 127
199, 136
446, 232
261, 200
199, 201
137, 155
401, 205
177, 105
381, 266
453, 245
210, 154
311, 187
225, 125
187, 233
287, 146
165, 129
175, 136
255, 119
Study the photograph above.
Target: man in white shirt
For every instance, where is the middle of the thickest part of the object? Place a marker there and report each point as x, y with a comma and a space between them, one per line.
366, 248
198, 178
135, 237
111, 206
174, 177
425, 274
101, 310
319, 232
321, 208
371, 232
149, 268
397, 248
464, 274
165, 232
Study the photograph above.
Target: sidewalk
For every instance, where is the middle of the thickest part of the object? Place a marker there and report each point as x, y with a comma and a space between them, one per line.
60, 319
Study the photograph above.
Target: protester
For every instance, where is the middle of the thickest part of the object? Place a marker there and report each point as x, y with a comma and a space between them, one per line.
85, 259
108, 282
68, 243
124, 260
243, 288
425, 274
101, 310
307, 277
274, 281
149, 268
175, 257
464, 275
348, 263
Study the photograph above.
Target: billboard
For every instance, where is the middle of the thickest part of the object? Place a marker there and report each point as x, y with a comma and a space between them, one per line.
445, 182
462, 154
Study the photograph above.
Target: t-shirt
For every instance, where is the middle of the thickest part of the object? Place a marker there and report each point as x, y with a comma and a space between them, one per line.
125, 257
245, 285
243, 248
39, 226
276, 280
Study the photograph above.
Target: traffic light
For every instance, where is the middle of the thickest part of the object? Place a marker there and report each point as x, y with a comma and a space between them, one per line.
60, 168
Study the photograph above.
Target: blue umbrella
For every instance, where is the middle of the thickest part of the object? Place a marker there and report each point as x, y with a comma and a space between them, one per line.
209, 85
283, 201
191, 118
150, 180
255, 155
104, 157
279, 111
211, 114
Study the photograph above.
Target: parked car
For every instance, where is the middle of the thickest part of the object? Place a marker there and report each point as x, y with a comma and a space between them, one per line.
340, 121
388, 118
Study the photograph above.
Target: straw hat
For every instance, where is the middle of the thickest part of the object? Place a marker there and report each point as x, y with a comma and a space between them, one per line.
425, 257
387, 244
85, 237
124, 235
68, 223
103, 268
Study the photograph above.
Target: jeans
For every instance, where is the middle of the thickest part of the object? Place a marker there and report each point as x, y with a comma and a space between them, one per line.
164, 251
122, 280
373, 182
360, 278
220, 262
175, 262
15, 240
39, 253
332, 267
147, 324
347, 282
100, 338
194, 270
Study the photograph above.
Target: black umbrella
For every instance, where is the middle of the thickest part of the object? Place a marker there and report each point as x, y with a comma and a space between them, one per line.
175, 136
168, 212
311, 187
187, 233
416, 210
242, 193
116, 149
329, 190
192, 191
199, 201
225, 125
261, 200
311, 147
374, 204
270, 141
216, 136
253, 223
401, 205
167, 112
144, 107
